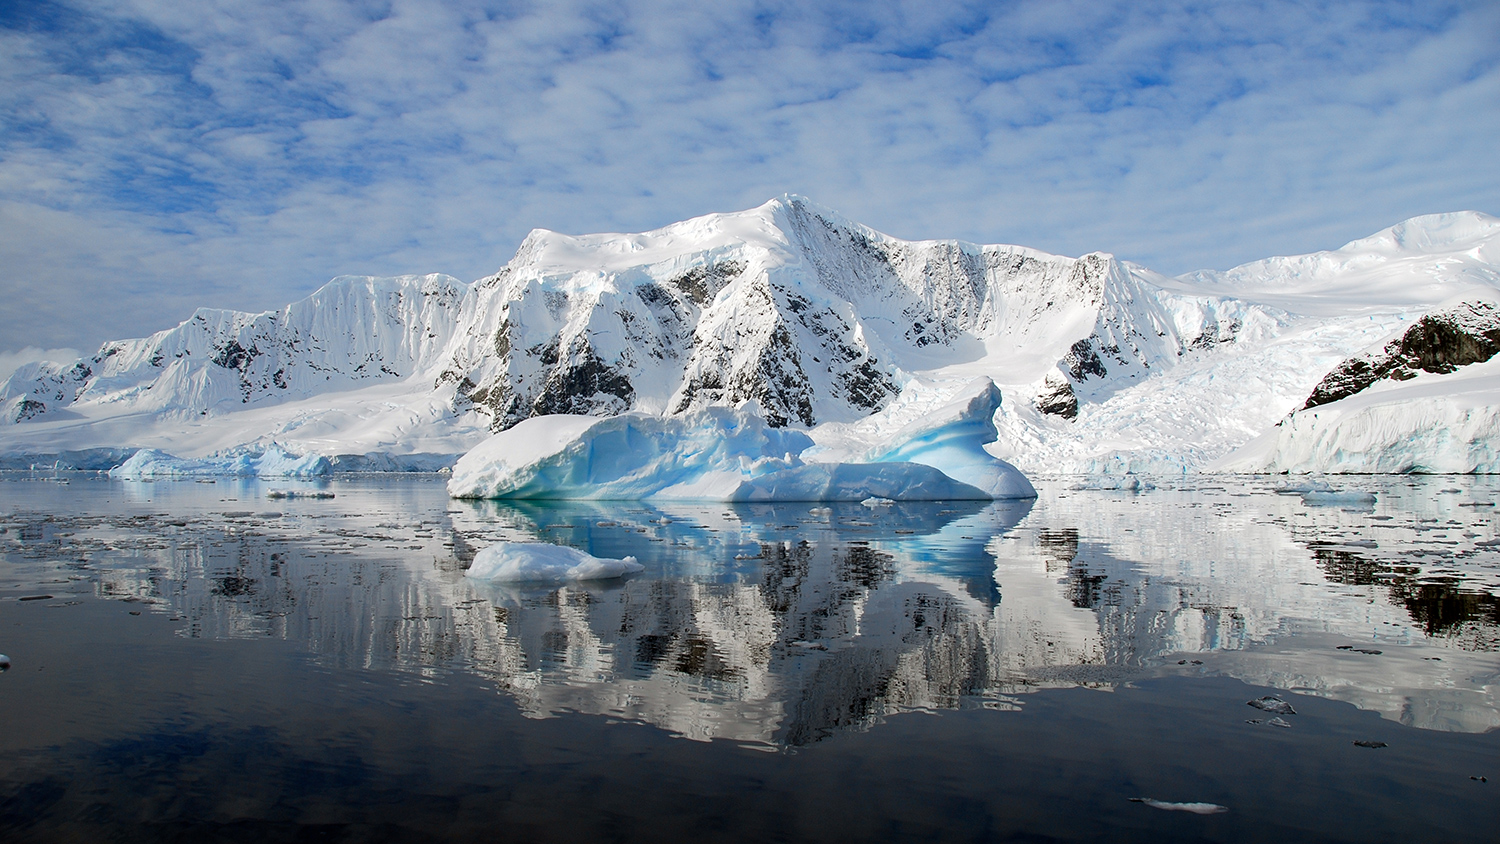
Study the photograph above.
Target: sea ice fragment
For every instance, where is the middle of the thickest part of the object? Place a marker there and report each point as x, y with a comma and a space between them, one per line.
1274, 705
540, 562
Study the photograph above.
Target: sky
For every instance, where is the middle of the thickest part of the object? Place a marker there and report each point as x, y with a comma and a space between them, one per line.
157, 156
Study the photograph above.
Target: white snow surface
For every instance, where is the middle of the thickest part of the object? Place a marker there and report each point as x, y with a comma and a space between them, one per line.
828, 326
541, 563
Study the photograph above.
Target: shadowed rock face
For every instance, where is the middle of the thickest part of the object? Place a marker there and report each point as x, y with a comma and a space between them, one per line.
1057, 397
1439, 342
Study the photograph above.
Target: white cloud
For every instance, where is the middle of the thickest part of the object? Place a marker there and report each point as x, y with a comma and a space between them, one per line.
236, 155
10, 361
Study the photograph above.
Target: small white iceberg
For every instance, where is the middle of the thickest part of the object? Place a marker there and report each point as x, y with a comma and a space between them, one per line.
539, 562
1302, 487
1336, 497
1115, 483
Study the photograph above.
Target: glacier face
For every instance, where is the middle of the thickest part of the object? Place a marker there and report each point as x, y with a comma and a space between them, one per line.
1432, 423
824, 324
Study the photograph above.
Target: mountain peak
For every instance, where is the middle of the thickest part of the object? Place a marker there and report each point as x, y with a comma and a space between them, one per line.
1454, 231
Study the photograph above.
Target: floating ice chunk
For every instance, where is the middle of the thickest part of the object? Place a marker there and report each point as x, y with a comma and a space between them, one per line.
272, 462
1122, 483
1302, 487
539, 562
718, 454
951, 439
1195, 808
299, 493
1335, 497
872, 502
1274, 705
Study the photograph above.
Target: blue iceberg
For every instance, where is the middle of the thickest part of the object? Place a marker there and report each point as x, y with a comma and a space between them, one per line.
729, 454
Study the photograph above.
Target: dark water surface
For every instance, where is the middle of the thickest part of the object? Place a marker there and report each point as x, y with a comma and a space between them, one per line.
212, 664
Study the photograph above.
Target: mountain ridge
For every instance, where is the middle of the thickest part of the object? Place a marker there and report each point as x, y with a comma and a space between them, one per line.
817, 319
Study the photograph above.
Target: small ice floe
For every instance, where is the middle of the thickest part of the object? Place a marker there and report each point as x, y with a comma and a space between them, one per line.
1334, 497
1302, 487
1119, 483
872, 502
539, 562
1368, 743
1273, 705
1195, 808
299, 493
1273, 722
822, 512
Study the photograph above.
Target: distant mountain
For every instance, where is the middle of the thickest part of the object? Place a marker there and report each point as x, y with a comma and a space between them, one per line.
823, 322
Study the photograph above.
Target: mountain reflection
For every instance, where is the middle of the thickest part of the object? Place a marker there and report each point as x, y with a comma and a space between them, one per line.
781, 624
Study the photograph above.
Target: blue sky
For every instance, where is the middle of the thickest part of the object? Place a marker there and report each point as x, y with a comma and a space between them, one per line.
157, 156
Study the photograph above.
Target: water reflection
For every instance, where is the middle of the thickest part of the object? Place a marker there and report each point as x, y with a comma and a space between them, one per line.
779, 624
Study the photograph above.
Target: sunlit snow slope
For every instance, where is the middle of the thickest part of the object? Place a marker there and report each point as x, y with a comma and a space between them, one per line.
824, 323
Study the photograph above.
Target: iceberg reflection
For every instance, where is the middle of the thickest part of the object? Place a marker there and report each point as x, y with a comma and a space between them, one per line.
778, 624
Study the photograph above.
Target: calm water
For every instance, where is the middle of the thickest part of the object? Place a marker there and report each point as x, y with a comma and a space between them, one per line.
211, 664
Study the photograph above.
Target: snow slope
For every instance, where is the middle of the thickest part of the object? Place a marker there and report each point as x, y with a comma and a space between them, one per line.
823, 323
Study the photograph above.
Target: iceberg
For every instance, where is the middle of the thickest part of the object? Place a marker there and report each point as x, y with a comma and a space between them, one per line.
273, 462
1318, 497
952, 438
539, 562
717, 454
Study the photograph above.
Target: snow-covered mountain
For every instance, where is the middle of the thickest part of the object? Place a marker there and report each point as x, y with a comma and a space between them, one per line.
822, 322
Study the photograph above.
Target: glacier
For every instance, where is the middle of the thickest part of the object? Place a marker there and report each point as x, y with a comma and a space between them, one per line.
1433, 423
834, 331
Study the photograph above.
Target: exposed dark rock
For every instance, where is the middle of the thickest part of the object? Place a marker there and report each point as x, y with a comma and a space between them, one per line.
1082, 360
702, 284
27, 409
579, 382
1439, 342
232, 355
1057, 397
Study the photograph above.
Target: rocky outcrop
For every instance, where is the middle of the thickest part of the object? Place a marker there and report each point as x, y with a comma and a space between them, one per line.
1439, 342
1056, 397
